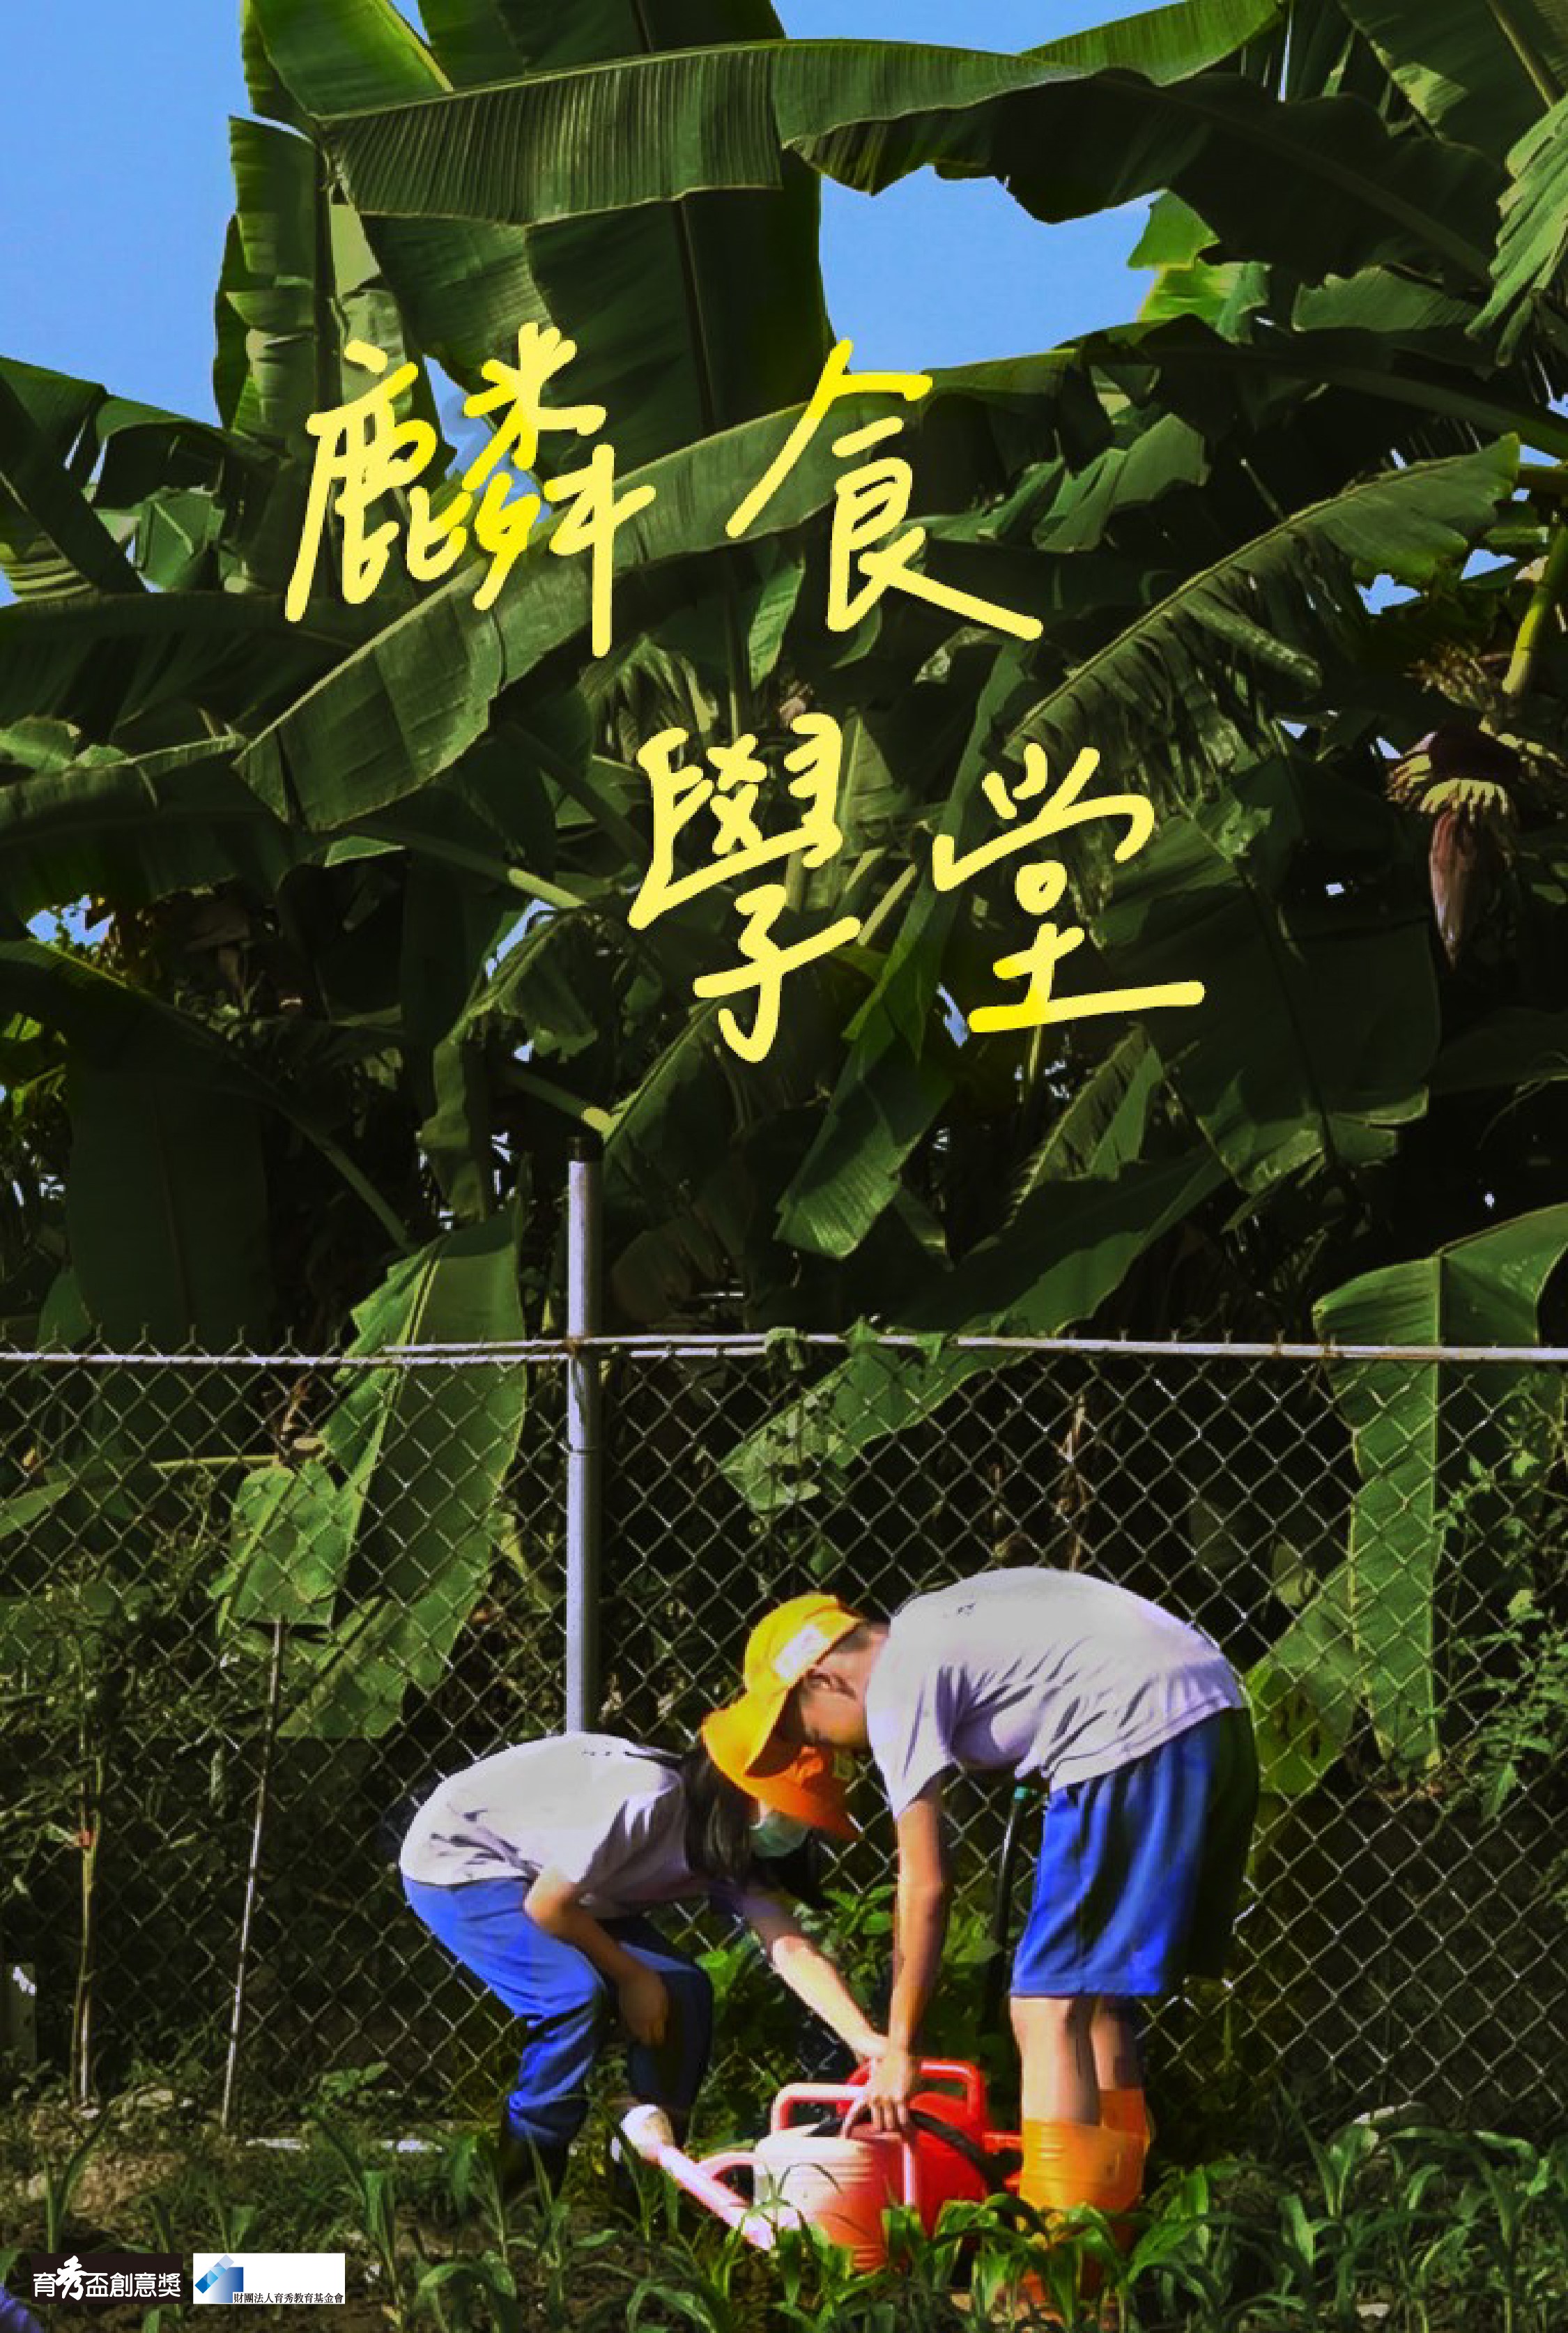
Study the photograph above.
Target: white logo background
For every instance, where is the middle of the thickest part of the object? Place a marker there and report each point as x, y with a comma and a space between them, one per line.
273, 2277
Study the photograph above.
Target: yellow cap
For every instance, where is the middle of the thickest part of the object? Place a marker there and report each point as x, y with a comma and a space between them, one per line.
781, 1647
802, 1782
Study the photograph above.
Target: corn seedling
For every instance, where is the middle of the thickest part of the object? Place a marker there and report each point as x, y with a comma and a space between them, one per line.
374, 2192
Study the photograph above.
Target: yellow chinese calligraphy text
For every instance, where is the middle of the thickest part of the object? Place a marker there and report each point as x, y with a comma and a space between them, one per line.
363, 451
1040, 886
728, 803
870, 505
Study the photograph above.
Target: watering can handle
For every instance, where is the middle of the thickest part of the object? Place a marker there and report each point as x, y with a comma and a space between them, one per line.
967, 2077
811, 2094
908, 2159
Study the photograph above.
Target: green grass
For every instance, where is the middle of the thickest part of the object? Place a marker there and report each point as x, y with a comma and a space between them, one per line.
1369, 2231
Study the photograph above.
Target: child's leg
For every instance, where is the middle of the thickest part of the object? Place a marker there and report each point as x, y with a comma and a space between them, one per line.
671, 2074
1119, 2068
1071, 2155
551, 1985
1055, 2048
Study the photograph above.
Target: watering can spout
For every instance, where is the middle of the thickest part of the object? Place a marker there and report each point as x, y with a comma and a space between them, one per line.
647, 2131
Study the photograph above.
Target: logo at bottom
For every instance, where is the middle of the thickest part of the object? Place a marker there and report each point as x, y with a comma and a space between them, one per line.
273, 2278
87, 2280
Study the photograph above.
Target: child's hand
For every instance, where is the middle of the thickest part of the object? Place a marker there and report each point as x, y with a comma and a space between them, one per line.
645, 2005
891, 2088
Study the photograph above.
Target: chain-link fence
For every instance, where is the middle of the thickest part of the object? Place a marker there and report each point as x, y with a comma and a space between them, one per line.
250, 1608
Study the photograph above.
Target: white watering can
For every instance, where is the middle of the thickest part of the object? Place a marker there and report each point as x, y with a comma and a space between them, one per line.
840, 2185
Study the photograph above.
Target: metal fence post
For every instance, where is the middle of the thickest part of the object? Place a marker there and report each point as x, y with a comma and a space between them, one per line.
582, 1441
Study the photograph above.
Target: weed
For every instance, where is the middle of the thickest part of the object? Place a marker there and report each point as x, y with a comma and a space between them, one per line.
62, 2178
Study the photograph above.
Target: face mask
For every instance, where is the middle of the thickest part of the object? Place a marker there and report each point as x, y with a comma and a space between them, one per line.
777, 1834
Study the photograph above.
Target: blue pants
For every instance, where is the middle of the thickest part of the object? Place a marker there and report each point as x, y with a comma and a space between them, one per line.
568, 2005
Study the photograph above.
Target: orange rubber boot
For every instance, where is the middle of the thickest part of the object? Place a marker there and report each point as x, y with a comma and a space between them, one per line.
1068, 2163
1127, 2110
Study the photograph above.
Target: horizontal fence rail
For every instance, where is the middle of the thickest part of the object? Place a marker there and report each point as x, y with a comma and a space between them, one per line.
253, 1605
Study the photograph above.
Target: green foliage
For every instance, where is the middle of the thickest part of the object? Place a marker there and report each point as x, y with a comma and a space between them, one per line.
367, 966
1416, 1427
1195, 509
1417, 2229
372, 2191
1528, 1734
62, 2176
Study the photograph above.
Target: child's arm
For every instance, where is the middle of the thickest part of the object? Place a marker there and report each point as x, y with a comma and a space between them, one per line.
810, 1975
920, 1925
551, 1904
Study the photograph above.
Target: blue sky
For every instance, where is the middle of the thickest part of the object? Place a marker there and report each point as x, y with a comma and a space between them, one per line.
120, 193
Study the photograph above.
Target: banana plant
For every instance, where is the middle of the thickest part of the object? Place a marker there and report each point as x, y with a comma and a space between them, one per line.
362, 954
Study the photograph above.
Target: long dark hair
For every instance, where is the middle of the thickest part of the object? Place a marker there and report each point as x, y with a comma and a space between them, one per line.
718, 1820
718, 1841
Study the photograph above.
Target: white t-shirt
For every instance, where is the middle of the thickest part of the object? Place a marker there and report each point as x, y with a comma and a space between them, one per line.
608, 1814
1050, 1672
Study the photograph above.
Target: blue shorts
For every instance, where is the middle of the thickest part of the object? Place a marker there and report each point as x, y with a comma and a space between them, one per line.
1141, 1870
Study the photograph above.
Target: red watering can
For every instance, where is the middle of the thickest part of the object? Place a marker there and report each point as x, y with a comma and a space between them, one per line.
960, 2159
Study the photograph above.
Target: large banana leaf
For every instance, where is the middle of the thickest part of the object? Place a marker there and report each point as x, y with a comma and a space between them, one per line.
336, 55
684, 1196
1422, 1429
81, 471
166, 1209
1080, 125
298, 280
160, 489
421, 1456
1103, 1127
290, 1536
1177, 686
1319, 1021
130, 829
898, 1072
1069, 1248
686, 321
460, 290
689, 316
1532, 242
1466, 66
57, 409
885, 1104
103, 660
115, 1027
51, 537
1361, 365
563, 143
1304, 1692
